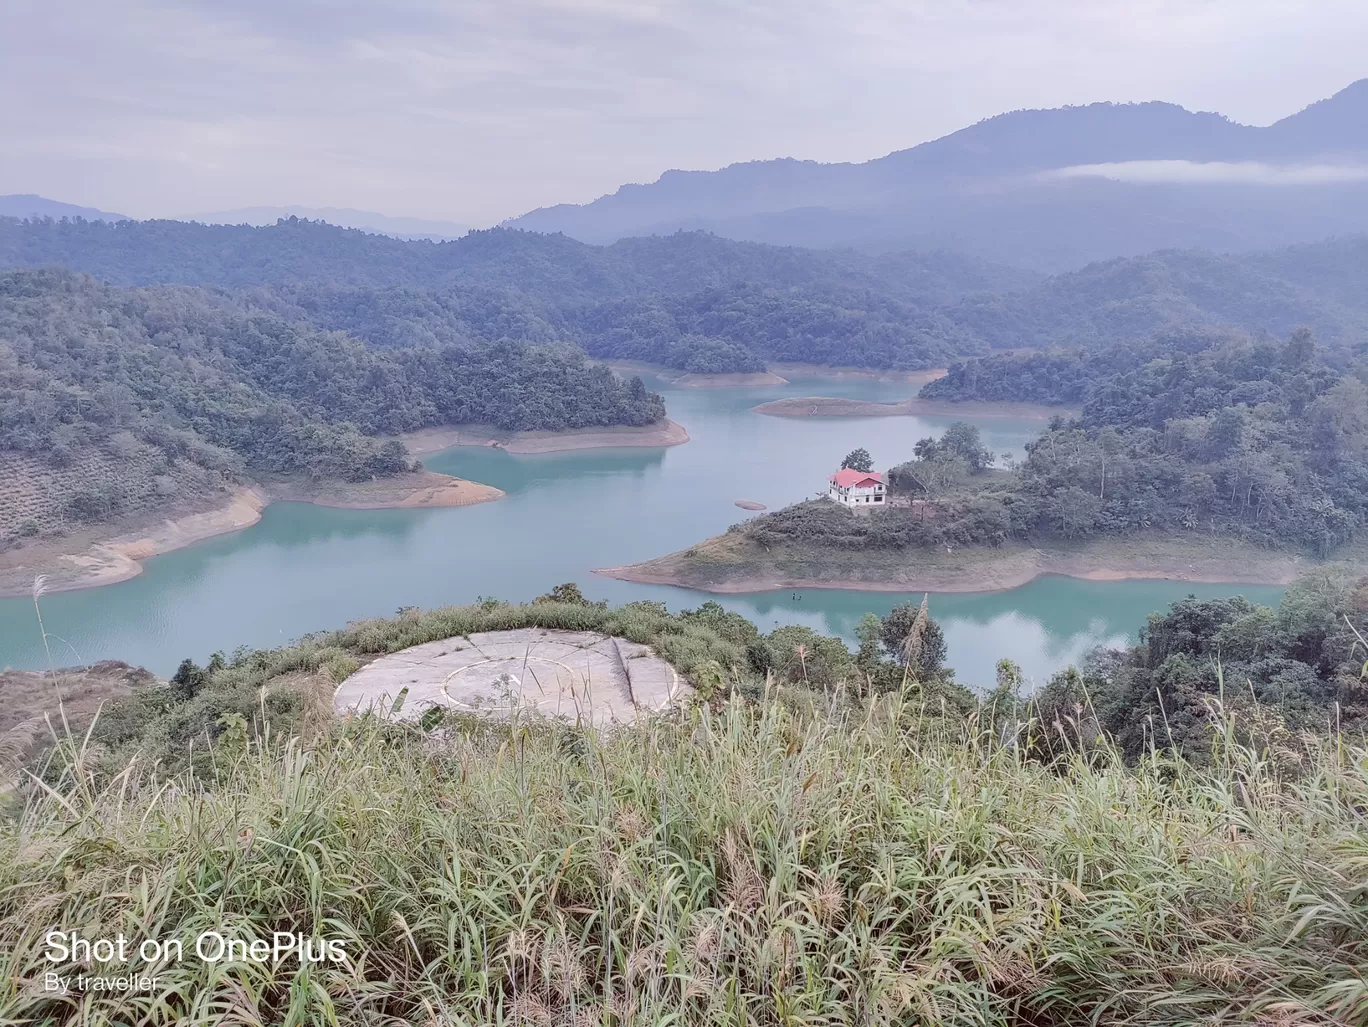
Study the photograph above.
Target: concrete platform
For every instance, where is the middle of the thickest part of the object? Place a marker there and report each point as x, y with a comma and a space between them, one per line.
571, 674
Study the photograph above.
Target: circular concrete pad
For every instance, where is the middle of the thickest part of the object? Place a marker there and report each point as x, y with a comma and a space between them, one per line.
572, 674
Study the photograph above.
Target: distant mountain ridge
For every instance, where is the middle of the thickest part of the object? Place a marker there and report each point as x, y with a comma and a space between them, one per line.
343, 217
28, 205
994, 190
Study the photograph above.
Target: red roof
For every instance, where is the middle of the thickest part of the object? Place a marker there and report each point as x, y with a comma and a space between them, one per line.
848, 477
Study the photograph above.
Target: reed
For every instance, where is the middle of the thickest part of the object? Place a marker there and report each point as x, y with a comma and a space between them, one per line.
748, 863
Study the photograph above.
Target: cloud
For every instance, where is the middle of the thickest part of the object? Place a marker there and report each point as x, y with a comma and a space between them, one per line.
480, 109
1217, 172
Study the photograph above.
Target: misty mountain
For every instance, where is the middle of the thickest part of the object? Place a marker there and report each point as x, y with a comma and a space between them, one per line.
27, 205
343, 217
1052, 189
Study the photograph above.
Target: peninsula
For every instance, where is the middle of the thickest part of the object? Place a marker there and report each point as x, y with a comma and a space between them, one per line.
114, 551
733, 563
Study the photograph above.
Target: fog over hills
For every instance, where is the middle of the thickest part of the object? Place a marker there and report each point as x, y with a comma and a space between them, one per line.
1051, 189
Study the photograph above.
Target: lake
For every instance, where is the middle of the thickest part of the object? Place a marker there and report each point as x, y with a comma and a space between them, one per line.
304, 568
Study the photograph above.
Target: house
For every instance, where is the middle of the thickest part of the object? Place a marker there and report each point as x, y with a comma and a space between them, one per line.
857, 488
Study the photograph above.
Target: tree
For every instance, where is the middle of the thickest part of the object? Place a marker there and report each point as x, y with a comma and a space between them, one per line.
962, 440
914, 640
568, 592
858, 460
1074, 511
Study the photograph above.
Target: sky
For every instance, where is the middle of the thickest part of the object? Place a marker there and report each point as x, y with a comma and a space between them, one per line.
479, 110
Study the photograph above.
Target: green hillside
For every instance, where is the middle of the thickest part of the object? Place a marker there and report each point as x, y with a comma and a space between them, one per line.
114, 400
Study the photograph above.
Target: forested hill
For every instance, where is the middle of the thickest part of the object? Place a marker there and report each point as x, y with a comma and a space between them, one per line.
183, 389
551, 268
1318, 286
690, 300
700, 303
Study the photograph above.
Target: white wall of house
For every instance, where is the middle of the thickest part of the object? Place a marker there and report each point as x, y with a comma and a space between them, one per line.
870, 495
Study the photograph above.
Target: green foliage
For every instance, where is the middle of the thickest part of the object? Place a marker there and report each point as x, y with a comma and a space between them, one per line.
858, 460
568, 592
797, 655
1285, 672
914, 640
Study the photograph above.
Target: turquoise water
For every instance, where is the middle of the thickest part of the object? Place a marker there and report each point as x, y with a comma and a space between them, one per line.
305, 568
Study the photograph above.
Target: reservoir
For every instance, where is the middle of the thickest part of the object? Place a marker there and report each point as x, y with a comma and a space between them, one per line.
306, 568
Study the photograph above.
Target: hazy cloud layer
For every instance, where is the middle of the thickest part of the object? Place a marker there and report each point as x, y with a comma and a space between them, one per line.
1218, 172
481, 109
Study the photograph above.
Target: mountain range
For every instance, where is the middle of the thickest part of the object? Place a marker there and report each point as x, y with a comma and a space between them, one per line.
1046, 190
1049, 189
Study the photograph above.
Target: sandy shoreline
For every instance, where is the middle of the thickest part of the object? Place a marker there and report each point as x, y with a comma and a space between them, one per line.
434, 440
109, 561
718, 565
831, 406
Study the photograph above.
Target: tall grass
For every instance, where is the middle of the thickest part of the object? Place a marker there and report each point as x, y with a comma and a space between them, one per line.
742, 865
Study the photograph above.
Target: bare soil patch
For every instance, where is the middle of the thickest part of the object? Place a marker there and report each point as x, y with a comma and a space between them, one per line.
34, 700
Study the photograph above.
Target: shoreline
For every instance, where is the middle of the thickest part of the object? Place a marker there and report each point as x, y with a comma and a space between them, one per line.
696, 379
661, 434
718, 565
921, 377
832, 406
777, 374
119, 557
